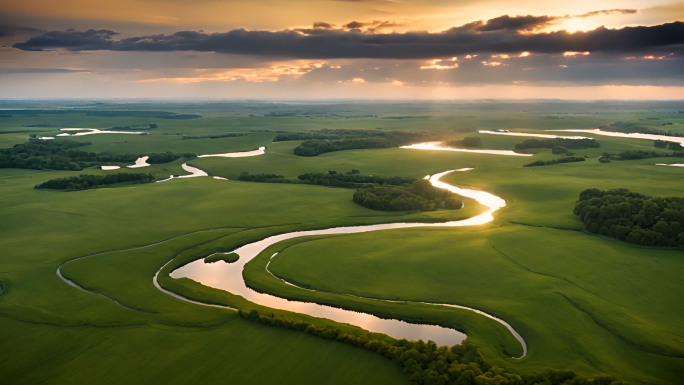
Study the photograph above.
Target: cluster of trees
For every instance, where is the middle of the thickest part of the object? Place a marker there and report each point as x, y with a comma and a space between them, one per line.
331, 134
468, 142
225, 257
565, 159
263, 177
141, 114
639, 154
84, 181
560, 150
228, 135
166, 157
426, 363
317, 146
105, 113
393, 193
38, 125
674, 146
633, 217
56, 155
64, 155
558, 142
307, 136
315, 114
420, 195
134, 128
337, 140
31, 112
352, 179
632, 128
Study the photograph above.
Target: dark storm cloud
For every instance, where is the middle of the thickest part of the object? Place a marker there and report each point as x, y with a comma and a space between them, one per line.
498, 35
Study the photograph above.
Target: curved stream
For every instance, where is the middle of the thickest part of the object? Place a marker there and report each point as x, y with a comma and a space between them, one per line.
439, 146
228, 277
635, 135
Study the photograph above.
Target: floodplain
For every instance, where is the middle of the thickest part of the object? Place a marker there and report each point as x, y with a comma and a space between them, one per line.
583, 302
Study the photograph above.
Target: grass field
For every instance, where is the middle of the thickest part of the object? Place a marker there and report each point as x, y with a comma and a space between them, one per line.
583, 302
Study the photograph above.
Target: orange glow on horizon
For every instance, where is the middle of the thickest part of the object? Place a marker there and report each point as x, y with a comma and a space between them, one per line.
575, 53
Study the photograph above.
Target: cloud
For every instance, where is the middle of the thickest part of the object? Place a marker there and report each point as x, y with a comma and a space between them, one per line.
322, 25
7, 71
72, 40
505, 22
13, 30
500, 35
499, 69
354, 25
607, 12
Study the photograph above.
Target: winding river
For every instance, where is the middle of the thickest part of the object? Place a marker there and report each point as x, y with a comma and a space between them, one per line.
260, 151
511, 133
93, 131
596, 131
228, 277
194, 172
437, 146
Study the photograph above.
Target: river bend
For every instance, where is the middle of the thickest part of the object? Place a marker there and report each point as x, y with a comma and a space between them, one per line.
228, 277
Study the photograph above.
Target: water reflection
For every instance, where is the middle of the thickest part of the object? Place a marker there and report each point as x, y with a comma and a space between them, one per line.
437, 146
194, 172
228, 276
597, 131
92, 131
530, 135
260, 151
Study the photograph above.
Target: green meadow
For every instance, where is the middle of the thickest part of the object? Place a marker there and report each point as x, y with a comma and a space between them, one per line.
587, 303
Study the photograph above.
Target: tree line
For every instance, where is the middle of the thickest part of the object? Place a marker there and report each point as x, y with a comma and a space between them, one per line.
84, 181
674, 146
262, 177
633, 217
394, 193
149, 126
425, 363
56, 155
638, 154
166, 157
64, 155
327, 133
350, 179
228, 135
420, 195
468, 142
565, 159
632, 128
317, 146
558, 142
323, 141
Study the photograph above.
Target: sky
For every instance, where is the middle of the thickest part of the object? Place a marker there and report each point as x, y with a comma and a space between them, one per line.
341, 49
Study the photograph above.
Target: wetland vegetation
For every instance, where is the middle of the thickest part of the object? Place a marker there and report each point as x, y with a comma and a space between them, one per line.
592, 308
